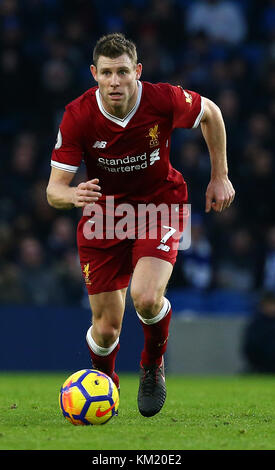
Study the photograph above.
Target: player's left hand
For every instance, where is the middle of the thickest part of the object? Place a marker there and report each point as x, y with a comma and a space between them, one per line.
219, 194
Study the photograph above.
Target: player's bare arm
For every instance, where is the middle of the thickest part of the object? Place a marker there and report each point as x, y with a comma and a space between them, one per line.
63, 196
220, 192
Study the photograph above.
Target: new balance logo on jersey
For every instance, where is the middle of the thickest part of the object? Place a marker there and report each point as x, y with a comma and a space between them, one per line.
100, 144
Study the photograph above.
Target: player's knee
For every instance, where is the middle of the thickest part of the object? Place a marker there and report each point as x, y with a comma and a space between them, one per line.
146, 303
107, 333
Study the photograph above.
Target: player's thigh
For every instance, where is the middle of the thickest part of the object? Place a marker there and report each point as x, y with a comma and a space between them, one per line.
149, 281
108, 310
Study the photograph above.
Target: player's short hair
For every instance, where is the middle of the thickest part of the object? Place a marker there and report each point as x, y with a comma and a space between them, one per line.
114, 45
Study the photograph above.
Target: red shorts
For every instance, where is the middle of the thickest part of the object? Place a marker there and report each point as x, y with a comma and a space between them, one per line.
108, 258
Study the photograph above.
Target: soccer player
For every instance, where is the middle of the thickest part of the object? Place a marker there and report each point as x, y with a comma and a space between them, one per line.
122, 129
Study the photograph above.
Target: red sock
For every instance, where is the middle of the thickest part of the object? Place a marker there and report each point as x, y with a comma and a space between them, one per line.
104, 363
101, 360
155, 338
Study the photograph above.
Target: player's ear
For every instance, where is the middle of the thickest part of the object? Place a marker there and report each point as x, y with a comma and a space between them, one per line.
93, 71
138, 71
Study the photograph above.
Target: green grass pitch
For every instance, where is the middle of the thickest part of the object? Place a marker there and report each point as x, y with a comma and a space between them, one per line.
200, 413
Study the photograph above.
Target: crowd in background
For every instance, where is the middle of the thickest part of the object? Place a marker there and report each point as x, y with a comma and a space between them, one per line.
224, 50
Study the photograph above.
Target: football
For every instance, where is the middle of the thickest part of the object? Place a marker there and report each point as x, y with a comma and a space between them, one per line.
88, 397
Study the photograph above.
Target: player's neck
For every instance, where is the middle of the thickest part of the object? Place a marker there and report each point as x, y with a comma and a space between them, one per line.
121, 111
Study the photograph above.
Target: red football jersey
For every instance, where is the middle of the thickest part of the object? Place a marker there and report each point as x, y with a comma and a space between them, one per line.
129, 156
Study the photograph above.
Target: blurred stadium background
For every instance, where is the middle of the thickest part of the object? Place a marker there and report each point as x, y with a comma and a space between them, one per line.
224, 50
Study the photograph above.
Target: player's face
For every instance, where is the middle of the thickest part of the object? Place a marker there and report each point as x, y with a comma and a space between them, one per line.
117, 81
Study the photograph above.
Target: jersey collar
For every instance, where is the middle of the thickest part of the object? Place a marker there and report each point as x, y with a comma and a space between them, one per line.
121, 122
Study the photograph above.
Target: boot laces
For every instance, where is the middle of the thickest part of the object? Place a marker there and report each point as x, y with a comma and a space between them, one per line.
149, 380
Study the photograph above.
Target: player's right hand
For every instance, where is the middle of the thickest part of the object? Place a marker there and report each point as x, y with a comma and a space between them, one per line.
87, 193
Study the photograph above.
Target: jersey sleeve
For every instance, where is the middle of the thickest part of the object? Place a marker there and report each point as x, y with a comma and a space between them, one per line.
68, 152
187, 107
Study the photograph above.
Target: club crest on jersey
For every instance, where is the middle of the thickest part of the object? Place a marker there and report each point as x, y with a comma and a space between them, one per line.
86, 271
153, 134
